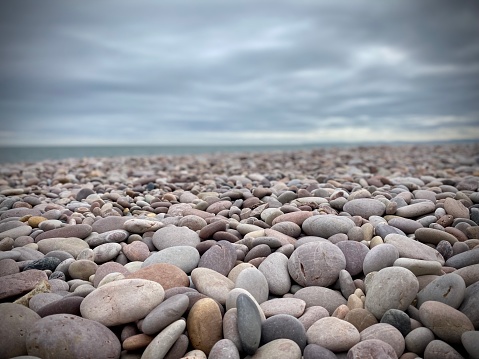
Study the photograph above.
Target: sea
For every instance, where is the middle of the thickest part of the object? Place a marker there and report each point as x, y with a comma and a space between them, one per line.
20, 154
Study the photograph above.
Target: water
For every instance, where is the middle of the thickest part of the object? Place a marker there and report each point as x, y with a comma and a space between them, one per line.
40, 153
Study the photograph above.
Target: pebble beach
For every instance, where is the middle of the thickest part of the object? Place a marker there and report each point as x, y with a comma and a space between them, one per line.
362, 252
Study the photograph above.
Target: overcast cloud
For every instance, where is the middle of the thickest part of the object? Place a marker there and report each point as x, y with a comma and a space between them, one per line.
216, 72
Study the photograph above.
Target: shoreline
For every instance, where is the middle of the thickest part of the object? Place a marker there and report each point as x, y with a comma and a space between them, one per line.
293, 254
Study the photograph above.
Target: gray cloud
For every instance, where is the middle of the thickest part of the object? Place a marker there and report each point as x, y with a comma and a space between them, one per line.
242, 71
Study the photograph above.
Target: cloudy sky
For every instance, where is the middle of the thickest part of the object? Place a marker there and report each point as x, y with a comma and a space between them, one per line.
227, 72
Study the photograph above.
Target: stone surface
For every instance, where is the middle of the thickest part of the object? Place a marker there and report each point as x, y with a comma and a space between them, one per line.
470, 341
71, 245
437, 349
224, 349
409, 248
220, 257
464, 259
388, 334
320, 296
391, 288
314, 351
212, 284
398, 319
51, 337
372, 348
283, 326
380, 257
313, 314
365, 207
419, 267
471, 303
66, 305
19, 283
248, 323
316, 264
275, 270
278, 349
184, 257
446, 322
204, 324
118, 302
327, 225
334, 334
254, 282
165, 313
171, 236
354, 253
291, 306
449, 289
418, 339
162, 343
16, 322
168, 275
360, 318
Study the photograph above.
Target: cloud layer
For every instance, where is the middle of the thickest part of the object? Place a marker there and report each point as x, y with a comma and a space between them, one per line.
172, 72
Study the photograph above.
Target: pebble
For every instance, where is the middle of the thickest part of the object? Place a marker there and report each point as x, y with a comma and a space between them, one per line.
278, 349
386, 333
321, 296
116, 303
364, 207
168, 275
221, 257
50, 337
184, 257
398, 319
70, 245
313, 351
354, 253
418, 339
470, 341
275, 270
464, 259
164, 314
252, 280
409, 248
224, 349
248, 323
419, 267
16, 322
416, 209
446, 322
327, 225
456, 208
360, 318
78, 231
18, 283
334, 334
204, 324
291, 306
471, 303
449, 289
172, 236
313, 314
380, 257
372, 348
212, 284
437, 349
283, 326
307, 265
391, 288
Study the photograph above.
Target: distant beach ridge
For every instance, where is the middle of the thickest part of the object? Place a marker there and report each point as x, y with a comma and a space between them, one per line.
14, 154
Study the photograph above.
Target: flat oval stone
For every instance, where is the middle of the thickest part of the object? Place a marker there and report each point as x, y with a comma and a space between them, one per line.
19, 283
10, 266
354, 252
16, 321
204, 324
418, 339
334, 334
446, 322
82, 269
360, 318
388, 334
291, 306
139, 225
78, 231
66, 305
326, 225
224, 349
164, 314
391, 288
278, 349
455, 208
398, 319
71, 245
172, 236
408, 226
434, 236
275, 270
16, 232
416, 209
439, 349
107, 268
471, 303
296, 217
464, 259
184, 257
449, 289
162, 343
136, 251
122, 301
249, 324
212, 284
372, 348
220, 257
109, 223
168, 275
364, 207
70, 336
321, 296
470, 341
419, 267
409, 248
308, 266
230, 327
283, 326
380, 257
254, 282
45, 263
106, 252
41, 299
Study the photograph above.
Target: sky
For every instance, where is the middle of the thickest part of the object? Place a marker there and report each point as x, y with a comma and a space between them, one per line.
237, 72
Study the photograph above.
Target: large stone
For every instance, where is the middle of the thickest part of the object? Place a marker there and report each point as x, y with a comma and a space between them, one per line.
16, 321
380, 257
470, 341
321, 296
291, 306
184, 257
372, 348
275, 270
19, 283
283, 326
388, 334
316, 264
391, 288
464, 259
69, 336
354, 252
254, 282
71, 245
437, 349
212, 284
456, 208
77, 231
446, 322
161, 344
416, 209
334, 334
220, 257
172, 236
326, 225
364, 207
448, 289
122, 301
164, 314
249, 323
398, 319
168, 275
418, 339
409, 248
